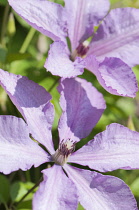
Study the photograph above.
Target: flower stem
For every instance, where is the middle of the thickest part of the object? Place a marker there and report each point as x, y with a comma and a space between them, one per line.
27, 40
53, 85
6, 207
4, 23
29, 191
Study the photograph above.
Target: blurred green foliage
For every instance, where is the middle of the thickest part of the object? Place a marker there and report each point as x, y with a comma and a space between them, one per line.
4, 189
23, 51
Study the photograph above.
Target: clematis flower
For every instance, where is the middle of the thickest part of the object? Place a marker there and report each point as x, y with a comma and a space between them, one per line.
65, 185
110, 55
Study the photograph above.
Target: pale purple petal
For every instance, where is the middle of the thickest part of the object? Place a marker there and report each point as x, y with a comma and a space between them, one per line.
118, 36
17, 150
116, 147
34, 104
92, 64
82, 15
45, 16
56, 192
114, 75
82, 107
59, 63
99, 192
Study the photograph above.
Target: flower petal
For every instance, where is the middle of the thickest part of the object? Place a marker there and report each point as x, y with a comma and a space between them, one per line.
115, 76
32, 101
101, 192
116, 147
82, 15
56, 192
45, 16
59, 63
17, 150
82, 107
118, 36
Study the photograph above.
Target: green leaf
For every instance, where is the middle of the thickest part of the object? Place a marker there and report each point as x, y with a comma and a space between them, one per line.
4, 189
19, 189
17, 56
80, 207
15, 188
25, 205
135, 187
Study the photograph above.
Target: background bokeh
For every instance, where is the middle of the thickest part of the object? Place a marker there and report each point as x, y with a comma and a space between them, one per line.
23, 51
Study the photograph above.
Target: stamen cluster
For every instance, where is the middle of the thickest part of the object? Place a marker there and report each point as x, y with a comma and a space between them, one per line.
63, 152
81, 50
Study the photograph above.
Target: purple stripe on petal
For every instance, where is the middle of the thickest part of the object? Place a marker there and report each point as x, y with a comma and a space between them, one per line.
56, 192
118, 36
82, 15
101, 192
82, 107
17, 150
32, 101
116, 147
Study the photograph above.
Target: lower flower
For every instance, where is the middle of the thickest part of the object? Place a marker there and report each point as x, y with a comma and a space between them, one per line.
65, 185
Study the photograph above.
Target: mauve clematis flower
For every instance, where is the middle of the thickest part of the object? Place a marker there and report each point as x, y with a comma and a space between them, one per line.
116, 147
112, 52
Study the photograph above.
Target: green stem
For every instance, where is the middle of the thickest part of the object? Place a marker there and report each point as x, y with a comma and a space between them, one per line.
29, 191
4, 23
6, 207
53, 85
27, 40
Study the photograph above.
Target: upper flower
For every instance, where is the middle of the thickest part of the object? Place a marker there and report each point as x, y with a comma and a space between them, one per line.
109, 55
82, 106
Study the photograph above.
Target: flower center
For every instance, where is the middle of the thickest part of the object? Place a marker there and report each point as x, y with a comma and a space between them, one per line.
81, 50
63, 152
